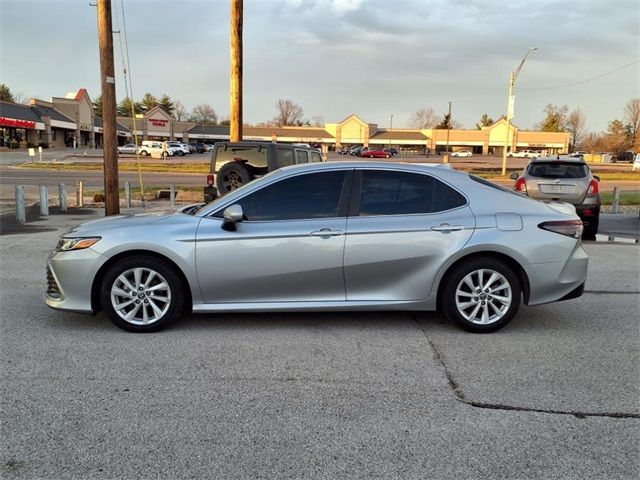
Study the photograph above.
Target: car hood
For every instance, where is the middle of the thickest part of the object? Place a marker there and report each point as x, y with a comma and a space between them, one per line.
154, 219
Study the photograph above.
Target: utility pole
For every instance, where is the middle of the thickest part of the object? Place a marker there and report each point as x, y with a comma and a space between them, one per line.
448, 127
108, 82
235, 134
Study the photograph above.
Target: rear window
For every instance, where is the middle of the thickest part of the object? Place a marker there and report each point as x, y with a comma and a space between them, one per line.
557, 170
252, 154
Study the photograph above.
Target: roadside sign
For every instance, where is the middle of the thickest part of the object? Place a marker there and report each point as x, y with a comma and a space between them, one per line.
511, 109
32, 152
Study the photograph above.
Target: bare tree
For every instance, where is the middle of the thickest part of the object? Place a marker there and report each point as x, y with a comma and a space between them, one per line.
424, 118
203, 113
576, 126
179, 112
317, 121
593, 142
288, 113
632, 117
555, 119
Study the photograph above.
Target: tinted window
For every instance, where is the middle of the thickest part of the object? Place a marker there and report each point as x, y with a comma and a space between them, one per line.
302, 156
315, 157
284, 157
252, 154
403, 193
557, 170
315, 195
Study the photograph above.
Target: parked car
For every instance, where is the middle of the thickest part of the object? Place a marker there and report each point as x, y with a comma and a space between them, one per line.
234, 164
417, 238
375, 153
355, 151
343, 151
149, 147
130, 148
623, 157
181, 148
462, 153
564, 179
209, 147
393, 151
524, 154
198, 147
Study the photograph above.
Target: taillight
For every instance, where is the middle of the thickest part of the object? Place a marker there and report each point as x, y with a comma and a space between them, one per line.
210, 180
570, 228
593, 188
521, 185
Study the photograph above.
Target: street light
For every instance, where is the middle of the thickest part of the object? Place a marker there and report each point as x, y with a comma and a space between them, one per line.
510, 106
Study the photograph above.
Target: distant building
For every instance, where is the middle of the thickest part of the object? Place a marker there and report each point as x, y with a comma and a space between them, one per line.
69, 119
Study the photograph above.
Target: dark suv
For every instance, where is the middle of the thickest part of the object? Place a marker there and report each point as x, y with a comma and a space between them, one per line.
623, 157
233, 164
564, 179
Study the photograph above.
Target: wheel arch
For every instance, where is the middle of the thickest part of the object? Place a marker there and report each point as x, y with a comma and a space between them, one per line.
97, 279
508, 260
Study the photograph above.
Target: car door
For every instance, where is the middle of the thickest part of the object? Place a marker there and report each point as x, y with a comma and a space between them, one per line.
401, 227
289, 247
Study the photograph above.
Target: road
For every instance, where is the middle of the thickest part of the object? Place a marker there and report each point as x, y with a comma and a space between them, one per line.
406, 396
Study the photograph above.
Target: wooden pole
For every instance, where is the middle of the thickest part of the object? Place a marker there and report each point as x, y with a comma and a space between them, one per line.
107, 79
235, 134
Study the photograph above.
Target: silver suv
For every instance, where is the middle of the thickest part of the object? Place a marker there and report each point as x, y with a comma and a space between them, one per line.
564, 179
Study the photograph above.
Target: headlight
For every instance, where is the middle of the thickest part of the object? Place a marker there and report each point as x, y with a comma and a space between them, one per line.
66, 244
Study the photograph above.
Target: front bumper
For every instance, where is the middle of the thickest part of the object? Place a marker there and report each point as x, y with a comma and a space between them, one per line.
70, 277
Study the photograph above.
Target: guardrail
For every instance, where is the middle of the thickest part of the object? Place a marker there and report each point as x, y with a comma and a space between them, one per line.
63, 203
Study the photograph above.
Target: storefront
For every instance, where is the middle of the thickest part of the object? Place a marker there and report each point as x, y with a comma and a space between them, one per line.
20, 126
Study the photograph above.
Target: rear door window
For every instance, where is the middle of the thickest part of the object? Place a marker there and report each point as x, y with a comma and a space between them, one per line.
557, 170
302, 156
404, 193
284, 157
315, 157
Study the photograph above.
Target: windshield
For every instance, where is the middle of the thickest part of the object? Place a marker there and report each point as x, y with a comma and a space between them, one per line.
557, 170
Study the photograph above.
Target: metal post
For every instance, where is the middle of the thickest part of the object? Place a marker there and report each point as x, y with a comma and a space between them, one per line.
173, 194
616, 200
508, 119
127, 194
448, 129
21, 213
80, 194
62, 193
44, 201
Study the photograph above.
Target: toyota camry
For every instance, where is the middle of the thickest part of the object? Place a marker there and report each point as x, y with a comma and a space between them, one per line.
328, 236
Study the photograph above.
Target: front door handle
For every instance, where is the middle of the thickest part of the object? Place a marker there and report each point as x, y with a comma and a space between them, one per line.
326, 232
446, 228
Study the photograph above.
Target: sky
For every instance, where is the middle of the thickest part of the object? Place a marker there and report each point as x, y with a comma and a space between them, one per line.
338, 57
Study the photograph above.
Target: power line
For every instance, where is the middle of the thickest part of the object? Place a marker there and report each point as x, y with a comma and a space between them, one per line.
582, 81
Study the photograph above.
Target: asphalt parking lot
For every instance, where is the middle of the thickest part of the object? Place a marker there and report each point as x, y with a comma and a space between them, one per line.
326, 395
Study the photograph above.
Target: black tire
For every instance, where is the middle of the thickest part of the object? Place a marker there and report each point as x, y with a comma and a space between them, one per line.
231, 176
144, 153
146, 299
590, 231
180, 153
453, 283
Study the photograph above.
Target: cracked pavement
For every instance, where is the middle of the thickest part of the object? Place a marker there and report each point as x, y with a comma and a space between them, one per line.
325, 395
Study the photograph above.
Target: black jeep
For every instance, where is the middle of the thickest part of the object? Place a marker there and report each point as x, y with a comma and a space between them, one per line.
233, 164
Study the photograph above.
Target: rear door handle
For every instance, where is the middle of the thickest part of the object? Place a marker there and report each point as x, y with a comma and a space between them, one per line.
326, 232
445, 228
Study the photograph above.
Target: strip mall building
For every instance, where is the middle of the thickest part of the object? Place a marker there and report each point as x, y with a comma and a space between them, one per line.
69, 119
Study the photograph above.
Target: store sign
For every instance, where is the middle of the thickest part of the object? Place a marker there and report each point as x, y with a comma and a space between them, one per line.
158, 122
12, 122
84, 126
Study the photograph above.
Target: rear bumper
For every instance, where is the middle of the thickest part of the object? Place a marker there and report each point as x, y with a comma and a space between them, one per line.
551, 282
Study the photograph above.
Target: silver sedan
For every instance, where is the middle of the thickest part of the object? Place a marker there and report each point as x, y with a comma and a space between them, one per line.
328, 236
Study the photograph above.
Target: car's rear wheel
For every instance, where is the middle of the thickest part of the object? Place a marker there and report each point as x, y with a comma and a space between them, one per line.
591, 230
142, 294
144, 153
481, 295
232, 176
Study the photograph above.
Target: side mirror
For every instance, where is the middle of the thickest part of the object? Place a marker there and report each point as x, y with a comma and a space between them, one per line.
596, 177
514, 176
232, 215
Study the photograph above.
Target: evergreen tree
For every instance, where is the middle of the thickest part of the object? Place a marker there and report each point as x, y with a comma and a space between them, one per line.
97, 106
5, 94
148, 102
166, 104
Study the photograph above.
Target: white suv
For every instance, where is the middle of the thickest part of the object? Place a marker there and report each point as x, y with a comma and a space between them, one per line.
182, 148
525, 154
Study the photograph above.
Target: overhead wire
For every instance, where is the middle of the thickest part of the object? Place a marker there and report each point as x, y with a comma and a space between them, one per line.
126, 70
582, 81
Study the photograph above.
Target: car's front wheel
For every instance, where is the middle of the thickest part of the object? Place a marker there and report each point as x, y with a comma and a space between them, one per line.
142, 294
481, 295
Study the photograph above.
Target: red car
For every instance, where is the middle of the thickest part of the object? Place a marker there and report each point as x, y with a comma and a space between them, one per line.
376, 153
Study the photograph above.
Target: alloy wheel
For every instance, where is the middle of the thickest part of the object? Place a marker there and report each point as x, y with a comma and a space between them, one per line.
140, 296
483, 296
